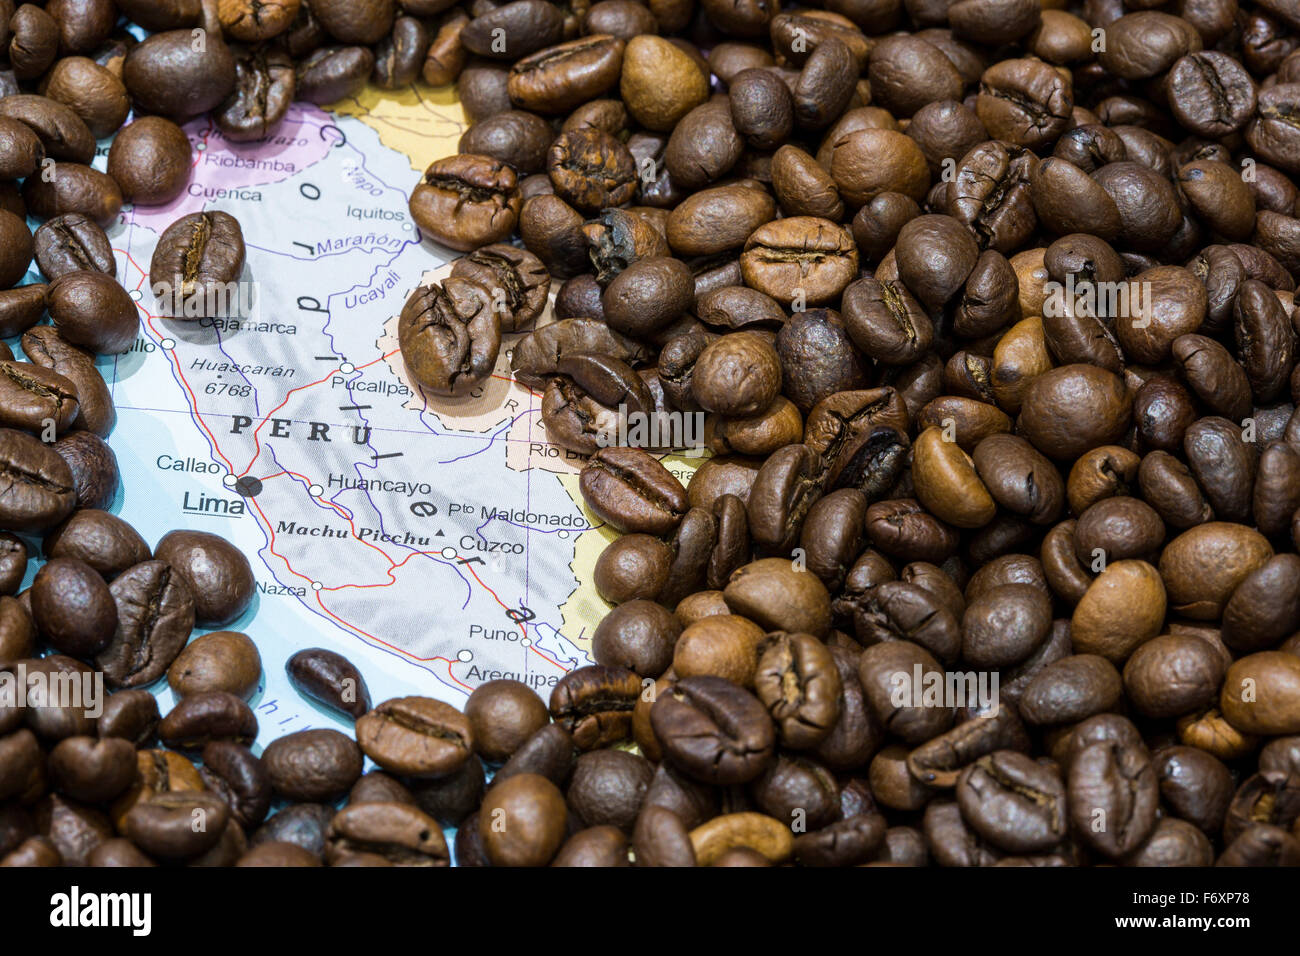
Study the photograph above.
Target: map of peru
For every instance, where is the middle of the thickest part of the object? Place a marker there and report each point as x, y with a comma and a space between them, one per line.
439, 543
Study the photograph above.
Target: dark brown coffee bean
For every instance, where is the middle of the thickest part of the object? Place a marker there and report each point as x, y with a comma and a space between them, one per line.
416, 736
1112, 793
218, 574
70, 243
240, 779
151, 161
329, 679
632, 491
450, 335
595, 704
312, 765
164, 825
262, 93
467, 201
92, 770
73, 608
155, 614
195, 262
37, 486
173, 75
203, 717
502, 715
333, 73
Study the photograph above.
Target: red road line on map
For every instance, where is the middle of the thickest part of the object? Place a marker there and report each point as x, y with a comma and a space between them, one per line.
393, 565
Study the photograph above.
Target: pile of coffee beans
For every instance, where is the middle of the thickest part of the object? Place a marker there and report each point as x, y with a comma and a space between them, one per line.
987, 309
988, 312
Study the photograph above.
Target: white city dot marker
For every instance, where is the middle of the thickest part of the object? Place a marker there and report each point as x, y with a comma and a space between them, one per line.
229, 481
563, 533
526, 642
347, 367
448, 553
315, 491
201, 147
315, 585
406, 226
168, 344
465, 656
136, 295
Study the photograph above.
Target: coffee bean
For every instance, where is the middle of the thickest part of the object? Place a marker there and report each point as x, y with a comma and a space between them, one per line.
73, 608
222, 660
151, 160
531, 817
1116, 787
155, 614
205, 716
397, 833
415, 736
467, 201
240, 779
450, 335
329, 679
312, 765
169, 74
195, 262
333, 73
595, 704
502, 715
263, 90
218, 575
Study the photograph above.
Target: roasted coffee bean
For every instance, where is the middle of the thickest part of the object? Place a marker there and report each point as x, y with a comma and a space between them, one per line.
240, 779
91, 770
21, 308
91, 310
532, 816
312, 765
197, 259
415, 736
450, 335
221, 660
1024, 102
632, 491
263, 90
155, 614
1116, 783
73, 608
217, 574
35, 398
203, 717
63, 134
1013, 802
333, 73
329, 679
595, 704
71, 243
467, 201
102, 540
713, 730
38, 483
151, 161
502, 715
169, 74
385, 834
164, 825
